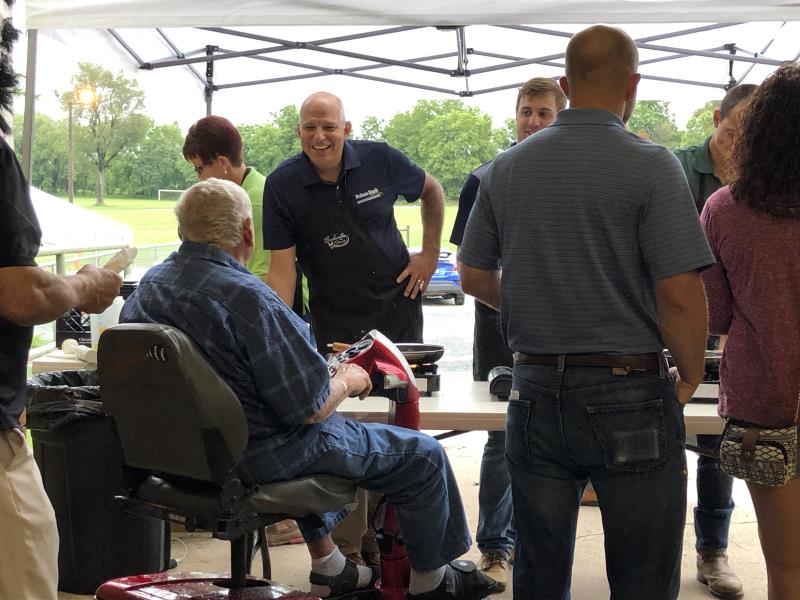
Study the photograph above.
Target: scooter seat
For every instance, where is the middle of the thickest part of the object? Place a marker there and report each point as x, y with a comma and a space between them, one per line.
295, 498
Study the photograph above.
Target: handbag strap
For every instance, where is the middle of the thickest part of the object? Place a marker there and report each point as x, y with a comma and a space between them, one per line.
749, 444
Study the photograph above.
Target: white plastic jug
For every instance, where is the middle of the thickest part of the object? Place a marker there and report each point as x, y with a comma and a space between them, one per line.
108, 318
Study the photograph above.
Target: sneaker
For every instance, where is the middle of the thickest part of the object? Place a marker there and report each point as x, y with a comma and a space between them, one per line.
284, 532
462, 581
495, 566
714, 571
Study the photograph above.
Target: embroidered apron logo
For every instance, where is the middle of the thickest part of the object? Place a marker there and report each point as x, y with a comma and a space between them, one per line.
336, 240
368, 195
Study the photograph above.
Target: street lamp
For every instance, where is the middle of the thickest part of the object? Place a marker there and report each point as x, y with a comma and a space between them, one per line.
84, 97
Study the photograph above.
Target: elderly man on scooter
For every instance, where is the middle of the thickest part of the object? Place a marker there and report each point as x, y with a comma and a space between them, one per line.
267, 355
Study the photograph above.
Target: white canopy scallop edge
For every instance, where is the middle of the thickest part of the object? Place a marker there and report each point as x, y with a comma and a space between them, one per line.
97, 14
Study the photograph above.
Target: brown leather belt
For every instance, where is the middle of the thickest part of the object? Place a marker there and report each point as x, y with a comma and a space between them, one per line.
630, 362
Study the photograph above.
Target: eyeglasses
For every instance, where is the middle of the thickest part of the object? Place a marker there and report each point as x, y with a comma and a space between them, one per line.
199, 168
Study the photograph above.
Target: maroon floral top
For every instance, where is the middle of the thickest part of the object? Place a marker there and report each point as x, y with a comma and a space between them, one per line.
754, 297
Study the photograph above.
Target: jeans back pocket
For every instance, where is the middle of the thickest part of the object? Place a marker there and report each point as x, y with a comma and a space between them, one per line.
632, 435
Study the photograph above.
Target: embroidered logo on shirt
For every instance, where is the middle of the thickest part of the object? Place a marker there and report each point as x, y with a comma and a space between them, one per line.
368, 195
336, 240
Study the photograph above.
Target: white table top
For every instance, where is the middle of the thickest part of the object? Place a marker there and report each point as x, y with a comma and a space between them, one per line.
462, 405
465, 405
58, 361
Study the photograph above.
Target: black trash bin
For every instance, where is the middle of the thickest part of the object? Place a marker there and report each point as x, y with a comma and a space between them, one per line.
78, 454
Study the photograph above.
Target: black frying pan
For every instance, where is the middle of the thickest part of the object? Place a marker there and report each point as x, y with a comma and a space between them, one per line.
421, 354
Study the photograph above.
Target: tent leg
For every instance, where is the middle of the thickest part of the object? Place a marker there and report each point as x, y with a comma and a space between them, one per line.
30, 99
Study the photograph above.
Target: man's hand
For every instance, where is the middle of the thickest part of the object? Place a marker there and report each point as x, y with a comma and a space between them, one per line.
101, 287
355, 379
683, 389
421, 267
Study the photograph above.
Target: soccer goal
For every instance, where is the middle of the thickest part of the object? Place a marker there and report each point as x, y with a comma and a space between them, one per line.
172, 195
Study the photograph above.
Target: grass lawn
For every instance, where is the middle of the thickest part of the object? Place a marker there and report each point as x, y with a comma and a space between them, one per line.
153, 222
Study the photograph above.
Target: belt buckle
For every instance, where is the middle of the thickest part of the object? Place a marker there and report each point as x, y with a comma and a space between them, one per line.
621, 370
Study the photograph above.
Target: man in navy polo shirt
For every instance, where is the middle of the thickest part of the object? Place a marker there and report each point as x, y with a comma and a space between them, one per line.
332, 206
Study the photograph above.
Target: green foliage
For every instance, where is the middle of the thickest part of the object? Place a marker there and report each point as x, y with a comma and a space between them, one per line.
155, 163
700, 125
49, 171
404, 129
112, 123
268, 145
507, 135
372, 129
653, 120
454, 144
446, 138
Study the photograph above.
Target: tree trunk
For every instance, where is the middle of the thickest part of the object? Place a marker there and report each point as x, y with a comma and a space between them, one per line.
101, 183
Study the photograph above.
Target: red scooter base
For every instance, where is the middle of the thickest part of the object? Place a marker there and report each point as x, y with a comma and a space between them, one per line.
194, 586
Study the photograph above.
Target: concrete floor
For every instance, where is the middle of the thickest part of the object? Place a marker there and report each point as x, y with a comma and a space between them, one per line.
199, 552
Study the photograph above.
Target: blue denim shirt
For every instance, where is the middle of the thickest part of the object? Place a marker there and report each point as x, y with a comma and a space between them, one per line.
262, 350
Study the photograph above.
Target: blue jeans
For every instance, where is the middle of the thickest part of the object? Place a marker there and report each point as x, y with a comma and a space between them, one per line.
412, 470
712, 515
495, 512
626, 432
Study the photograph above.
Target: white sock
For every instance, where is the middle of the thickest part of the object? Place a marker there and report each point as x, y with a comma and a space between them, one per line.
425, 581
333, 564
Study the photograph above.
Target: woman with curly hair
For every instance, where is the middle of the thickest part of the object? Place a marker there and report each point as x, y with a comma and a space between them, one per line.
753, 291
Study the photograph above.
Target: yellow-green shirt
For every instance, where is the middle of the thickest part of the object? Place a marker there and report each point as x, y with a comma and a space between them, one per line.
258, 265
253, 184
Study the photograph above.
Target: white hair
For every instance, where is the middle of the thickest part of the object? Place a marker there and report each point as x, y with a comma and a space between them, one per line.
213, 212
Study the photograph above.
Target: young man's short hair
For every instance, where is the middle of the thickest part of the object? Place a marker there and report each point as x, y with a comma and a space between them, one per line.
539, 86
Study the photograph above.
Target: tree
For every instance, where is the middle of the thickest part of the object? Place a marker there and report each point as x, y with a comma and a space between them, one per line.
507, 135
268, 145
700, 125
404, 129
156, 163
454, 144
372, 129
112, 123
653, 120
446, 138
50, 152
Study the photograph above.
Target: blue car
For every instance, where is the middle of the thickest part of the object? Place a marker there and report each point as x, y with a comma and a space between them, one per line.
446, 282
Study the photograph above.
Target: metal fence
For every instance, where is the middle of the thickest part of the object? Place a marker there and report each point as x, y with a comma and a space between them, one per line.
65, 261
68, 260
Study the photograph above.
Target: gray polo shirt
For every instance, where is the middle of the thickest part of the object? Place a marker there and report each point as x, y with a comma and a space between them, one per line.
585, 216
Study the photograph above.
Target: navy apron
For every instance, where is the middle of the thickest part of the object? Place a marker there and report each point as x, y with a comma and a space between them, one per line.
351, 282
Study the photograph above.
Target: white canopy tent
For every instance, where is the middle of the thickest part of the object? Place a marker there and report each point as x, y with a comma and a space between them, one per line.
95, 14
381, 53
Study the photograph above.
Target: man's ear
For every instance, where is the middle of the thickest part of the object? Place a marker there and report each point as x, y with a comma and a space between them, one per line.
716, 118
248, 234
347, 128
633, 85
297, 130
564, 85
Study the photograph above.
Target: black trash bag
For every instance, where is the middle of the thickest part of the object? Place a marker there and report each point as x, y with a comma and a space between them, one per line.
62, 397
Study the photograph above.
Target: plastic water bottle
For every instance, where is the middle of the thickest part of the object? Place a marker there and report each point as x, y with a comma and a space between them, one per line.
108, 318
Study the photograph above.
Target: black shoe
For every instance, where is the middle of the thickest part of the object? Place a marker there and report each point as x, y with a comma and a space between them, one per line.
343, 585
465, 581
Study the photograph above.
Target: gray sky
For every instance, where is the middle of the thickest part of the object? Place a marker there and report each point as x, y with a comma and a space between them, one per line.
175, 95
